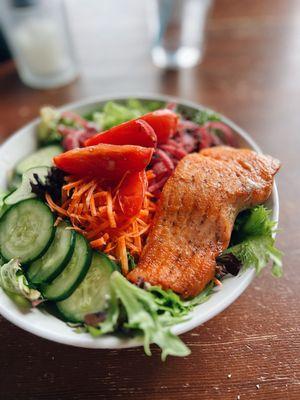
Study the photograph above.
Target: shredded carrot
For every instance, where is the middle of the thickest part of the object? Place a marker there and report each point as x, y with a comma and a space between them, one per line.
141, 222
217, 282
83, 189
80, 208
144, 213
55, 207
89, 195
95, 213
110, 212
132, 247
99, 242
57, 221
140, 233
100, 194
150, 174
123, 255
72, 185
110, 247
93, 207
106, 236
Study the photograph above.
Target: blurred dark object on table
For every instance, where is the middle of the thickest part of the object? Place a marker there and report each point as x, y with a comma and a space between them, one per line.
4, 51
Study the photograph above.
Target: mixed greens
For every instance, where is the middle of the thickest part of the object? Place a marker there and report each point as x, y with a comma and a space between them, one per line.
113, 113
43, 261
253, 242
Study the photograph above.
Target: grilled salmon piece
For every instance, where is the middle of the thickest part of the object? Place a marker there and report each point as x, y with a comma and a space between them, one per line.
196, 213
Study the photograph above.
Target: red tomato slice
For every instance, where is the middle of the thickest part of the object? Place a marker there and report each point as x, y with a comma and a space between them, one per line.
163, 122
136, 132
131, 193
107, 162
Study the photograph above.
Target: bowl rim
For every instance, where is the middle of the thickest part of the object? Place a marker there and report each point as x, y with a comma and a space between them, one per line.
112, 341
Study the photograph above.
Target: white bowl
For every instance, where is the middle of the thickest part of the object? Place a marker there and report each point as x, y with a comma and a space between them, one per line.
47, 326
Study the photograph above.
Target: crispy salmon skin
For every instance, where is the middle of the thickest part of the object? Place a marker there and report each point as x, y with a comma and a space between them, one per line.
195, 216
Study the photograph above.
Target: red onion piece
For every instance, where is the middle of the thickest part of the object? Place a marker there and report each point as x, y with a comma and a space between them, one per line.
174, 150
222, 131
74, 138
76, 118
206, 139
157, 186
165, 159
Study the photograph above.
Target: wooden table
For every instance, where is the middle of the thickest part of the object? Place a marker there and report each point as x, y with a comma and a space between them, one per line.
251, 73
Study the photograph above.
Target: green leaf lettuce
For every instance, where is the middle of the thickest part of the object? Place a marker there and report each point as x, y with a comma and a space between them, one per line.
13, 280
253, 240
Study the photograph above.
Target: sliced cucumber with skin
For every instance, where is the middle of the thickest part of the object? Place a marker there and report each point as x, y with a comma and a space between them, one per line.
26, 231
41, 157
92, 295
71, 276
56, 258
24, 190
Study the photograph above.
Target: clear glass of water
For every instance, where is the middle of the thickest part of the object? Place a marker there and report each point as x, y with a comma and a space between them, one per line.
177, 30
37, 32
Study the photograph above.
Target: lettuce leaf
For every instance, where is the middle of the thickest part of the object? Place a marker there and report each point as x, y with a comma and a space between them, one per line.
47, 132
148, 312
3, 194
205, 116
111, 114
114, 113
170, 301
253, 243
200, 117
3, 206
145, 313
13, 280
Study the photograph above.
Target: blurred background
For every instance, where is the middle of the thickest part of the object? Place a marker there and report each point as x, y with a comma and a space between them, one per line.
251, 52
238, 57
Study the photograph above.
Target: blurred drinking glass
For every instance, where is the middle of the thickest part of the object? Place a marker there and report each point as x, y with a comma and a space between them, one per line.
178, 28
38, 35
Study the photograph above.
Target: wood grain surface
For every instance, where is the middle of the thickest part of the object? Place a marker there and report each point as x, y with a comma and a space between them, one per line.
251, 73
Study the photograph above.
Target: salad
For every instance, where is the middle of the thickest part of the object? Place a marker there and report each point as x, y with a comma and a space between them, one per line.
76, 215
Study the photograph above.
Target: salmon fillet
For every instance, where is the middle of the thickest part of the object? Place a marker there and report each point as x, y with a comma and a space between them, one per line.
196, 213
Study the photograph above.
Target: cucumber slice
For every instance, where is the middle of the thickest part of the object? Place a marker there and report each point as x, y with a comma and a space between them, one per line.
26, 230
92, 294
50, 265
24, 190
68, 280
41, 157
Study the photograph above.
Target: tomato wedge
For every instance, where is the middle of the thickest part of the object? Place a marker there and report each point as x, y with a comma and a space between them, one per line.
163, 122
131, 193
136, 132
106, 162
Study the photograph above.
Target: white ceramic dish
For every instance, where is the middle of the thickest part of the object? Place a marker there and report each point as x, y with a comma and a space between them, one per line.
47, 326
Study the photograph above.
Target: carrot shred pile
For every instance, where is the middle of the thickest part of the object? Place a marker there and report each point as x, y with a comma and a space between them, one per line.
95, 213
